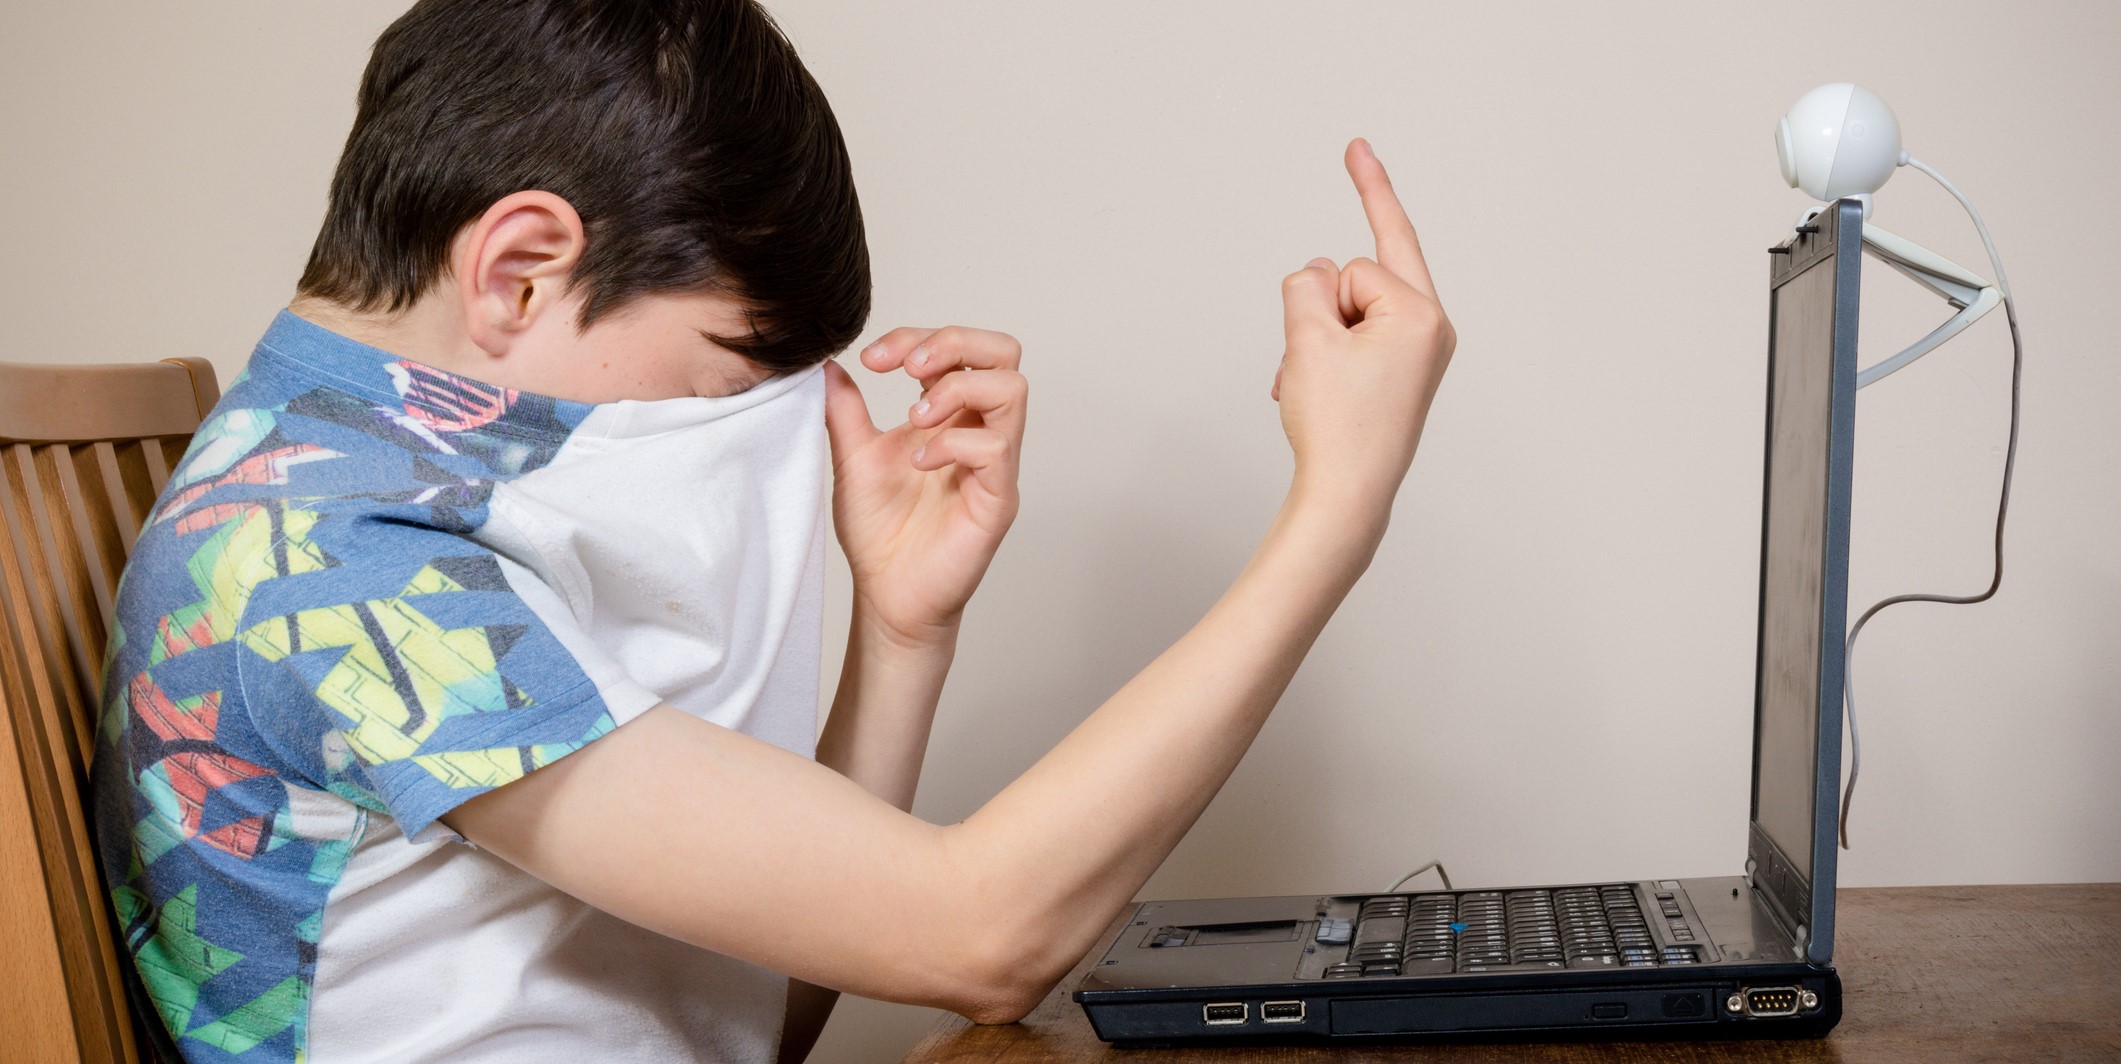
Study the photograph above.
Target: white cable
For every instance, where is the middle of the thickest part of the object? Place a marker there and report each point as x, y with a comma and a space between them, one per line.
2010, 460
1995, 261
1440, 874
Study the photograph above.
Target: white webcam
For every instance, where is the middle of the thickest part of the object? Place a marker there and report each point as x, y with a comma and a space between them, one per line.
1841, 141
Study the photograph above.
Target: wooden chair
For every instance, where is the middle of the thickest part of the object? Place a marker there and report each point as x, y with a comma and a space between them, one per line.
84, 450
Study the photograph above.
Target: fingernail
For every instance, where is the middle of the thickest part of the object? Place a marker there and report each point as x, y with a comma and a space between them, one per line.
920, 409
872, 349
920, 356
918, 452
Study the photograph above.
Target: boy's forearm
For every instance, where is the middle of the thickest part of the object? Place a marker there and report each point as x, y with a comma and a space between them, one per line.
1118, 793
877, 736
877, 733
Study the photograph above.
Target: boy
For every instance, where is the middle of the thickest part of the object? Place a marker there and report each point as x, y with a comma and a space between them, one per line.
461, 702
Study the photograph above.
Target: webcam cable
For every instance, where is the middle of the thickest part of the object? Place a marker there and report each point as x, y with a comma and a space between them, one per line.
2010, 459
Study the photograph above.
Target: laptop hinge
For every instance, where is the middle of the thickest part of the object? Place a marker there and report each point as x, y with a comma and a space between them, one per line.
1802, 936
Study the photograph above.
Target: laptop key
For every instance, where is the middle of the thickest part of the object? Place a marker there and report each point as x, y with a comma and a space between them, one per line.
1506, 966
1380, 929
1334, 932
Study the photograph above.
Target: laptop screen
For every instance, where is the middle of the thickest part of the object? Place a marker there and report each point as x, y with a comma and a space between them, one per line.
1804, 567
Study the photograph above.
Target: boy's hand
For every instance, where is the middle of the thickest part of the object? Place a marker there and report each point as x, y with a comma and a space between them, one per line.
1367, 346
921, 508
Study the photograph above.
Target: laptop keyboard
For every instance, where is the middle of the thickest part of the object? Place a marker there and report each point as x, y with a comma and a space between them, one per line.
1493, 930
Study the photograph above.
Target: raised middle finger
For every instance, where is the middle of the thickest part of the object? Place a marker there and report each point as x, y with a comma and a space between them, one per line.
1398, 247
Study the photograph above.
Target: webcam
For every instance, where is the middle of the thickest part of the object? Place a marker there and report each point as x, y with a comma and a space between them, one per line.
1838, 141
1841, 141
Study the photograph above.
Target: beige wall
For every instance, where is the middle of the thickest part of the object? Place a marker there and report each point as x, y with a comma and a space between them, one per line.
1556, 639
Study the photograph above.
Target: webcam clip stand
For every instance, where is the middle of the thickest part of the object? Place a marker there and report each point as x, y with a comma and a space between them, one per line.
1964, 289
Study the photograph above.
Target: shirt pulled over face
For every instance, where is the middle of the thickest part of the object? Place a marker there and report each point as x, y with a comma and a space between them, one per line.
373, 590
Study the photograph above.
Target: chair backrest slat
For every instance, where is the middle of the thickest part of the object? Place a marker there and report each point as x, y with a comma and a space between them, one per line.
65, 682
109, 495
93, 468
105, 548
136, 485
67, 546
84, 450
172, 451
34, 608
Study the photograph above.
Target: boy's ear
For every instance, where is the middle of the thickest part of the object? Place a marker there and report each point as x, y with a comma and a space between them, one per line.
512, 266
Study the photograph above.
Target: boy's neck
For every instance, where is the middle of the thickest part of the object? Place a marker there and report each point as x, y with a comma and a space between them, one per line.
419, 333
649, 350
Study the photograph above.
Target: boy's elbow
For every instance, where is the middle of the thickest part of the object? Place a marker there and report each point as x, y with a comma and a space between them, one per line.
1005, 976
1000, 1011
1007, 949
1002, 996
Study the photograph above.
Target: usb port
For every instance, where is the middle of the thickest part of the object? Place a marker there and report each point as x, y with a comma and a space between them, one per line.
1282, 1012
1224, 1014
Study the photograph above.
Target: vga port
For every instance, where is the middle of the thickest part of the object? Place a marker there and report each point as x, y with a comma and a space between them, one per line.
1772, 1000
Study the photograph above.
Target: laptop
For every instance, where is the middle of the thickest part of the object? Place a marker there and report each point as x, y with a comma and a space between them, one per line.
1748, 954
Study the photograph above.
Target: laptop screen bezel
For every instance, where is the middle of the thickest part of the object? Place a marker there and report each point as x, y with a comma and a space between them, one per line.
1804, 899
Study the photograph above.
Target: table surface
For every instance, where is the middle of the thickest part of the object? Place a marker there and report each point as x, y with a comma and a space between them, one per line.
1997, 973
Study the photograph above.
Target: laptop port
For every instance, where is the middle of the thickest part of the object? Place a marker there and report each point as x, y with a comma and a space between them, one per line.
1224, 1014
1282, 1012
1771, 1000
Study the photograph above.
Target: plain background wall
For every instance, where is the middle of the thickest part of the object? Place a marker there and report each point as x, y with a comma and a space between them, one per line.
1547, 673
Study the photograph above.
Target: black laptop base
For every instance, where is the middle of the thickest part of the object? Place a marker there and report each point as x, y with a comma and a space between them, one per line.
1279, 969
1500, 1009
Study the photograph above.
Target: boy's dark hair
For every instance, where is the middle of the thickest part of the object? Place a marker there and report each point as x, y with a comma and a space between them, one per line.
698, 151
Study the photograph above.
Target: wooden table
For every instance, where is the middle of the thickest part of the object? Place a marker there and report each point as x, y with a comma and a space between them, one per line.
2028, 973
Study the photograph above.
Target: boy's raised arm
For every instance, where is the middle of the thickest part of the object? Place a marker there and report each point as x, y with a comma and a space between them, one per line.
732, 844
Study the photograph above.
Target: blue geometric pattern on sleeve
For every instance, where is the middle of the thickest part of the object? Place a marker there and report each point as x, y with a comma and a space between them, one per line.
303, 617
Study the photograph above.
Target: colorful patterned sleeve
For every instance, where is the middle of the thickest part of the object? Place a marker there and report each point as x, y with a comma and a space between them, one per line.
445, 685
317, 564
312, 634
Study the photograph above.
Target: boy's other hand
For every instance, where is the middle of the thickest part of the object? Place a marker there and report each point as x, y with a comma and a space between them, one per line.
1367, 344
920, 508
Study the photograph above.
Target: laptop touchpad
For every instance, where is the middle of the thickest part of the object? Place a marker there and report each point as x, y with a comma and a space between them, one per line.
1223, 934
